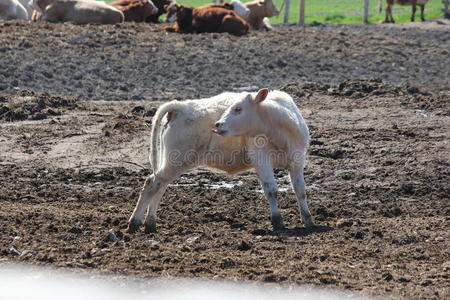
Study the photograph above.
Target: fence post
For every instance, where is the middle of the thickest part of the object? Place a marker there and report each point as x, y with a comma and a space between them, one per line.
366, 12
446, 11
301, 20
286, 11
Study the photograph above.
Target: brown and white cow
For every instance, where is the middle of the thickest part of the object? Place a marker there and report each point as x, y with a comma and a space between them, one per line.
235, 5
160, 4
82, 12
135, 10
198, 20
260, 10
414, 3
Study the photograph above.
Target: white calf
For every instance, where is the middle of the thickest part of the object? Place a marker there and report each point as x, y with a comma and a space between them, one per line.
263, 130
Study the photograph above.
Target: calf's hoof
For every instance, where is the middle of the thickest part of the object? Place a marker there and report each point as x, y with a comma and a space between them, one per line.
277, 223
150, 225
308, 221
133, 226
150, 228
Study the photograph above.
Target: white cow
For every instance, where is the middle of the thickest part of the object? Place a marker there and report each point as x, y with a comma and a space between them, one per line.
12, 9
260, 11
231, 132
82, 12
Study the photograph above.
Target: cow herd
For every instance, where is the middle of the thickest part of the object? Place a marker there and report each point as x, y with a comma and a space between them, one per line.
234, 17
231, 132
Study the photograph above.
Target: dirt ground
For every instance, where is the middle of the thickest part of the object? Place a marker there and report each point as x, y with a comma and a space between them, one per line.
72, 164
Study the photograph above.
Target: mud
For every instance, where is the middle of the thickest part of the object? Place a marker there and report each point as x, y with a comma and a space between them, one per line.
375, 98
141, 62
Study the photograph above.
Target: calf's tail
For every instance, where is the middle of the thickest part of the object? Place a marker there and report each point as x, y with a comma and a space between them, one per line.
155, 144
380, 6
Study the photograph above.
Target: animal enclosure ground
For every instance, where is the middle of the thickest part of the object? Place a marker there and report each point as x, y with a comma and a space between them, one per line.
377, 174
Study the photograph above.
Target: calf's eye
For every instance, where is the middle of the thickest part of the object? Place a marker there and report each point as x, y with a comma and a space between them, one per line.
237, 109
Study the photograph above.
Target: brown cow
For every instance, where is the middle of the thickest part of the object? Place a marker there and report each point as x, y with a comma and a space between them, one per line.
135, 10
198, 20
224, 5
390, 3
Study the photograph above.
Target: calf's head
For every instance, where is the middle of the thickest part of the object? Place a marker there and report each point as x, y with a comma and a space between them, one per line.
150, 8
242, 118
171, 10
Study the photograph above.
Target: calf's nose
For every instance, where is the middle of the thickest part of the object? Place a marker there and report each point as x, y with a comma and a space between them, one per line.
217, 124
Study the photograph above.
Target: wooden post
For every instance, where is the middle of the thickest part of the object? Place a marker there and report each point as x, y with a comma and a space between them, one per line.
446, 10
286, 11
366, 12
301, 20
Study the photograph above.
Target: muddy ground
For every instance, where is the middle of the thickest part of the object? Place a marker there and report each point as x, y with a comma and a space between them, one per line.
376, 99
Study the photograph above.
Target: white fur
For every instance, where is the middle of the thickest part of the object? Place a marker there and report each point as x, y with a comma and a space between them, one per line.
82, 12
30, 6
12, 9
260, 11
155, 10
270, 133
240, 9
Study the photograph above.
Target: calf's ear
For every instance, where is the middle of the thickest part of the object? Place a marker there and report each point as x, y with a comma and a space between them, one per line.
262, 95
